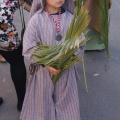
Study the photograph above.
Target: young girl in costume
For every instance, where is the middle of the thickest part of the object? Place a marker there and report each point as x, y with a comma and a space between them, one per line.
44, 100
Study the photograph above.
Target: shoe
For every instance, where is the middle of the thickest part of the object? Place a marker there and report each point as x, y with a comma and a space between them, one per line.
19, 106
2, 59
1, 100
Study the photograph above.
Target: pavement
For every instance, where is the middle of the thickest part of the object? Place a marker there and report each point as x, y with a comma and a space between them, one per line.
102, 102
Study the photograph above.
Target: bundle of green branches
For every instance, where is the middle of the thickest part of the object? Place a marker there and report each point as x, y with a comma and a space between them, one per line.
62, 56
104, 23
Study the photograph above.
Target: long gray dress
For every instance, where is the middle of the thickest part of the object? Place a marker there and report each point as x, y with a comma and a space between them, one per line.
43, 100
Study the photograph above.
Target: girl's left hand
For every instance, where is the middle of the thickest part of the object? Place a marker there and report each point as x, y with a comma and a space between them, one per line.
53, 71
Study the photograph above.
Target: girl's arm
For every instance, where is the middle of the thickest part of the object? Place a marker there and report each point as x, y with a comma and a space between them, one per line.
29, 42
31, 38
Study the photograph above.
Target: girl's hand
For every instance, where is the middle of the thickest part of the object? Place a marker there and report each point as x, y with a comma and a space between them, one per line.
53, 71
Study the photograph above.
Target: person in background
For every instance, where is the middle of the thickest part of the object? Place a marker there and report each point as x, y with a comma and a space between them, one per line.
27, 7
11, 47
1, 100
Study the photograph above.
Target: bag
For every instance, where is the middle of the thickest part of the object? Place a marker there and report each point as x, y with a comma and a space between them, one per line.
22, 21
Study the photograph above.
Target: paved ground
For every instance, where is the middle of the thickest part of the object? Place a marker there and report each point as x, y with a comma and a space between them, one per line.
102, 102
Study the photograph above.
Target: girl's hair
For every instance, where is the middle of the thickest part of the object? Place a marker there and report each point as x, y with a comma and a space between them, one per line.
38, 6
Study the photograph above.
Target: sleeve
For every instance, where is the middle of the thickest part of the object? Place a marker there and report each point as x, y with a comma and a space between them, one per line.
14, 5
81, 50
30, 38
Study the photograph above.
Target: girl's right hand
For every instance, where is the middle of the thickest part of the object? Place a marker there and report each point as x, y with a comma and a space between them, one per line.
53, 71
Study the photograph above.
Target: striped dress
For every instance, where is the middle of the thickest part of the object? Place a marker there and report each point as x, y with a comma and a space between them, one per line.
43, 100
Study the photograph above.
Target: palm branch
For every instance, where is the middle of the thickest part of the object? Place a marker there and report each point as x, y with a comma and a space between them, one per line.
104, 23
103, 11
62, 56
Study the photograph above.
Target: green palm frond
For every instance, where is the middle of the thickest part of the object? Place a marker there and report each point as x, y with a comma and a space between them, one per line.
62, 56
104, 23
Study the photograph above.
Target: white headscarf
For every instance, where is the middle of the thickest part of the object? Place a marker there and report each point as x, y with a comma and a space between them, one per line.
38, 6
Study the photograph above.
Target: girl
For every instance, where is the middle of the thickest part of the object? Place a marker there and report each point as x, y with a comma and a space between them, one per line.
11, 48
43, 100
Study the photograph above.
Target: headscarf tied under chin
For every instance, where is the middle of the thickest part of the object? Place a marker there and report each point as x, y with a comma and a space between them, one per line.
38, 6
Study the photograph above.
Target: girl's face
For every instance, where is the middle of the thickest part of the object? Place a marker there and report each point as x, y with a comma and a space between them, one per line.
55, 3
